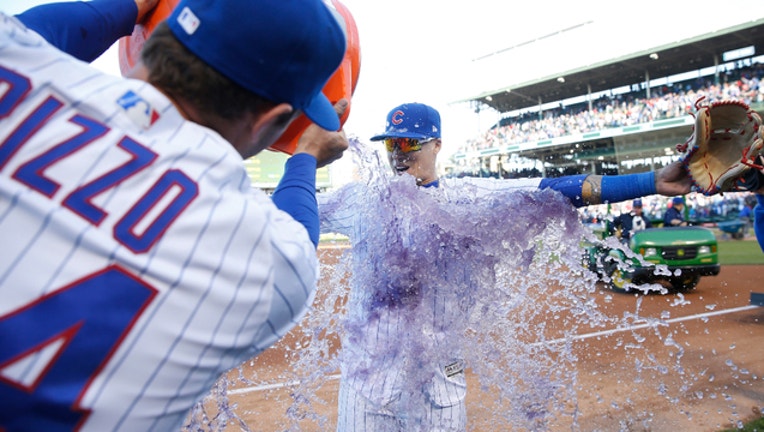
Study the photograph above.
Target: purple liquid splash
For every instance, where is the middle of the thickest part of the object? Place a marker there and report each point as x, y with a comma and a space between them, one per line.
495, 281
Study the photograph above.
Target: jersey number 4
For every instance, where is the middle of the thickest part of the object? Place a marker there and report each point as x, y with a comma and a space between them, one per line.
49, 358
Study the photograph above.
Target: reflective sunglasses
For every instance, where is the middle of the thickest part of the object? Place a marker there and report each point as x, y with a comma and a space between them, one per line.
406, 145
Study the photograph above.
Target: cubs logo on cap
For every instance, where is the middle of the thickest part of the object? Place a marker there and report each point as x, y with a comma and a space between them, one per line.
411, 120
396, 118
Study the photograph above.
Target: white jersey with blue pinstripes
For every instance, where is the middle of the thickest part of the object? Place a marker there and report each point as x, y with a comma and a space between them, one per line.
343, 212
137, 262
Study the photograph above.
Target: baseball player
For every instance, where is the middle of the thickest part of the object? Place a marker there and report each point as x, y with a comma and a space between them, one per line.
138, 263
377, 368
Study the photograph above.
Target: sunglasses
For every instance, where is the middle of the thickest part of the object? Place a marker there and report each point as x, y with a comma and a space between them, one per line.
406, 145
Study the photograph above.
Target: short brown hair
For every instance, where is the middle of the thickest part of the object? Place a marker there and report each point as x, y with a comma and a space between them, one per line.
181, 74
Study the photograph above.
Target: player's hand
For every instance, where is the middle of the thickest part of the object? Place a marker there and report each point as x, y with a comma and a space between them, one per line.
326, 146
144, 7
672, 180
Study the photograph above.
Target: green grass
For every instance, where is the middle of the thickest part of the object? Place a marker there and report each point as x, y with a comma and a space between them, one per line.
332, 238
736, 252
753, 426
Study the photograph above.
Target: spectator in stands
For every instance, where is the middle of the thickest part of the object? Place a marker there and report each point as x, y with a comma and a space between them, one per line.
674, 216
631, 222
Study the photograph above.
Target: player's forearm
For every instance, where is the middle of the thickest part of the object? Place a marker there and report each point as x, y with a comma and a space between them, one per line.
88, 29
296, 193
583, 190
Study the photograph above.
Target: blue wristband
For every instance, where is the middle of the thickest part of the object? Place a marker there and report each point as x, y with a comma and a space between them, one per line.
628, 186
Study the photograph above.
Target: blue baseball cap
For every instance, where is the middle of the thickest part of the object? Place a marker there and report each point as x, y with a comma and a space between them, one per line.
637, 203
677, 200
411, 120
282, 50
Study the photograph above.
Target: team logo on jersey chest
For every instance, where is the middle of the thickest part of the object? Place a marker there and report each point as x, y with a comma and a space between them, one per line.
138, 109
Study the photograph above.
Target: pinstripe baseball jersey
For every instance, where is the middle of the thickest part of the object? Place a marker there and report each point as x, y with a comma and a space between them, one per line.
402, 323
137, 262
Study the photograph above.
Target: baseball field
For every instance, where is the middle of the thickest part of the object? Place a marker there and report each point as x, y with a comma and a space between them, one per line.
691, 361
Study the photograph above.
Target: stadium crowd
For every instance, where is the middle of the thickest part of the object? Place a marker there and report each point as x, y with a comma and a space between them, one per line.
609, 111
623, 110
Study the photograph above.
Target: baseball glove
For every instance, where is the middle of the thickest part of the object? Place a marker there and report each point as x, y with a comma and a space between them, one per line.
727, 139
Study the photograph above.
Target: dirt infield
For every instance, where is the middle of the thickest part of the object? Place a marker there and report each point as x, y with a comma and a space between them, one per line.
711, 339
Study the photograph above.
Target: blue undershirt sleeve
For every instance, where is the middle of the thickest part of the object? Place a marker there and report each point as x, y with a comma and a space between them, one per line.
296, 193
84, 30
614, 188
